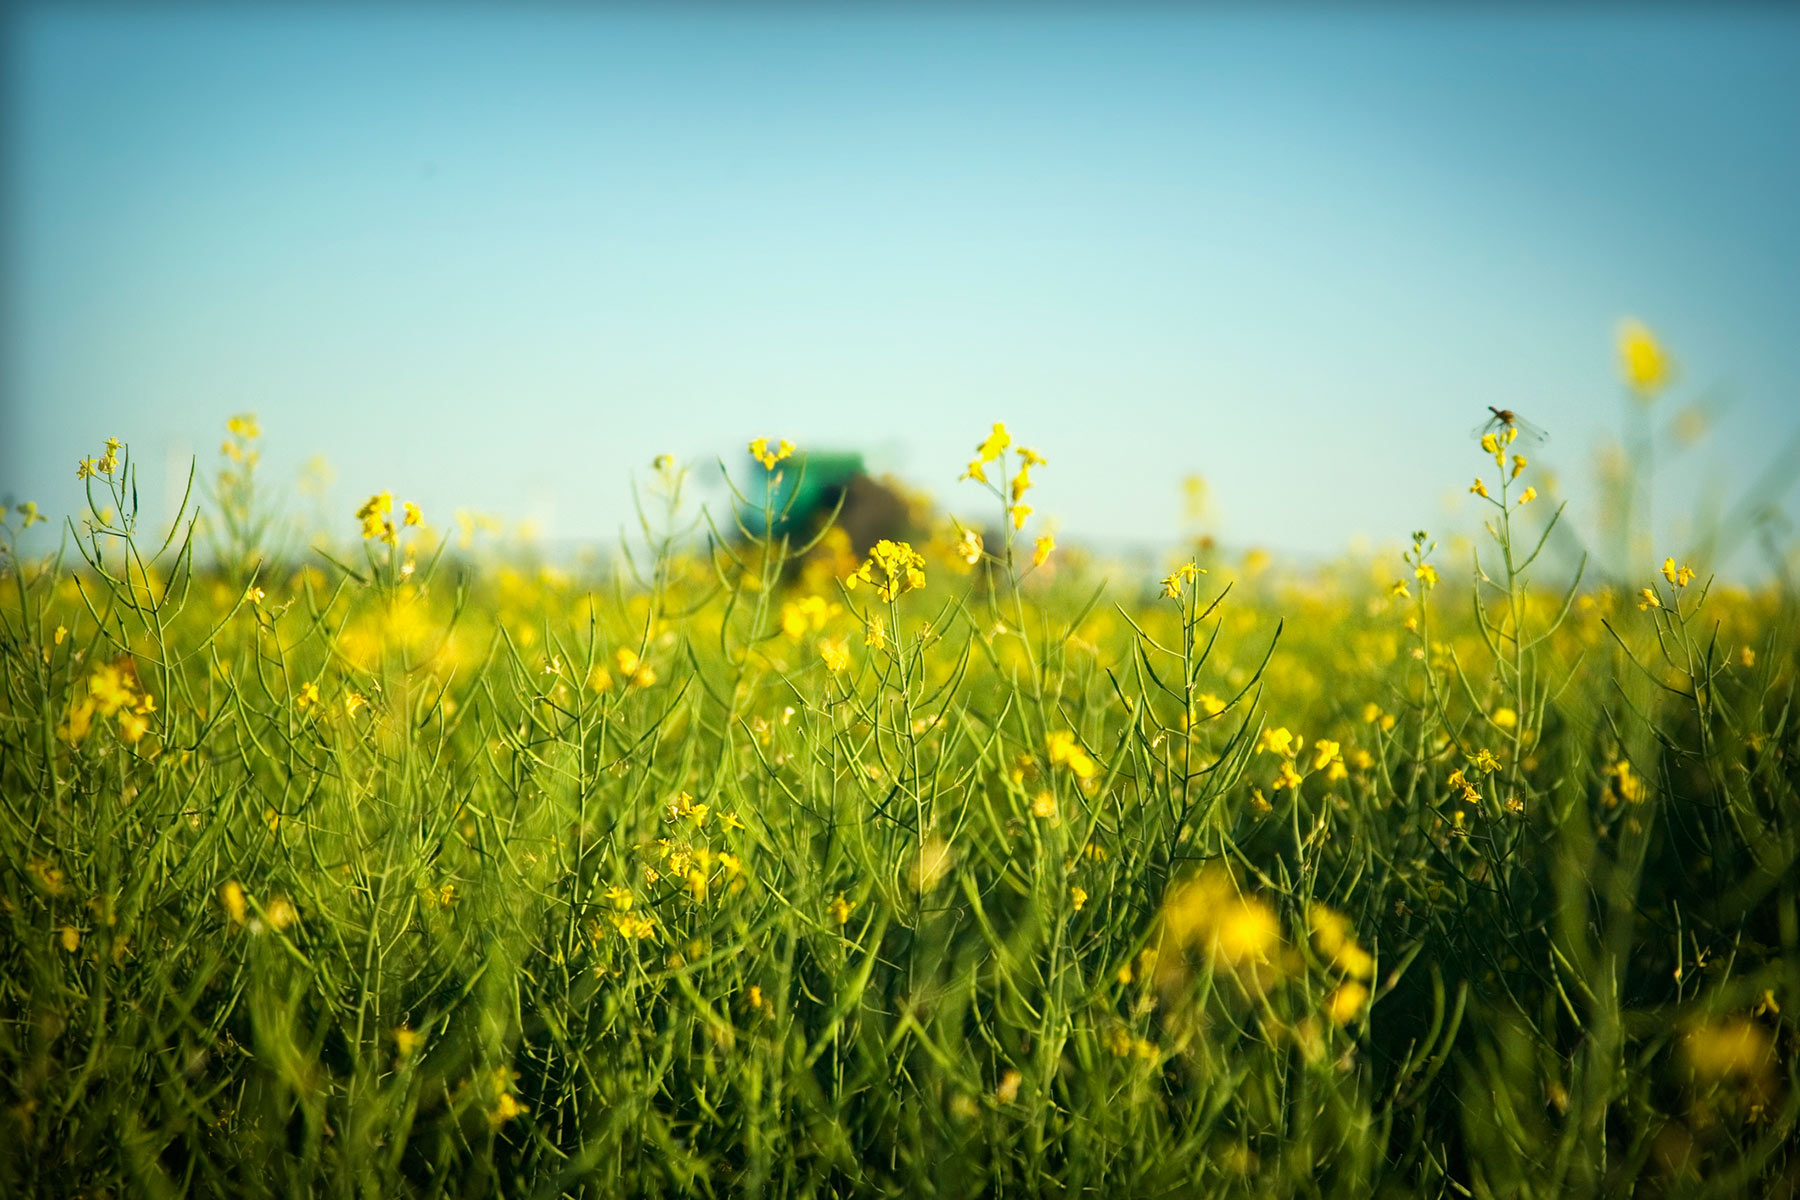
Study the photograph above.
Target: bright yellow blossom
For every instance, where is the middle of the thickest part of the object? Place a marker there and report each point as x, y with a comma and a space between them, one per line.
892, 569
759, 450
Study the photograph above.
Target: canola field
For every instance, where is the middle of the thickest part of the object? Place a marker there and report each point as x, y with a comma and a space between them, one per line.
772, 865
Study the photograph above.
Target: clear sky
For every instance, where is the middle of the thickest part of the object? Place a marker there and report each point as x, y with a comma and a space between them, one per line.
499, 258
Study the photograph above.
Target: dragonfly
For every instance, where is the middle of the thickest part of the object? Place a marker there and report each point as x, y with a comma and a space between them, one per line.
1504, 419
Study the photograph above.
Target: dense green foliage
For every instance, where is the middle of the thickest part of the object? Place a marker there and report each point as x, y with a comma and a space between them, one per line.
750, 874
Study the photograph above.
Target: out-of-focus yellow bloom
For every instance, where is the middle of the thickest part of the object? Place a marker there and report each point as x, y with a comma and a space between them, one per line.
374, 517
1210, 914
29, 512
244, 425
1622, 783
407, 1041
1042, 551
637, 671
892, 569
307, 697
1505, 718
1210, 704
968, 547
1732, 1047
1065, 751
280, 913
1077, 897
1528, 495
1649, 599
839, 909
807, 614
1426, 572
975, 471
1518, 465
835, 652
1043, 805
1747, 657
1479, 488
413, 515
1285, 777
1346, 1002
1644, 364
1399, 588
1019, 513
506, 1107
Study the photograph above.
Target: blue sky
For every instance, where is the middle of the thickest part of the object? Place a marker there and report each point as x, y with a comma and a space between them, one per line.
499, 259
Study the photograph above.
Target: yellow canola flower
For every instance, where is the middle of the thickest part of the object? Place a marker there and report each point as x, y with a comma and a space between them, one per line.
892, 569
1077, 898
1175, 583
1019, 514
1479, 488
1209, 913
968, 547
231, 896
835, 652
638, 673
1734, 1047
1646, 367
1677, 576
1065, 751
1518, 465
759, 450
1428, 573
1346, 1002
1528, 495
1280, 740
992, 445
1041, 553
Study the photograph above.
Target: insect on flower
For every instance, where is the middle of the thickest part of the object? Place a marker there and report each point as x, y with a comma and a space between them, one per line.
1505, 420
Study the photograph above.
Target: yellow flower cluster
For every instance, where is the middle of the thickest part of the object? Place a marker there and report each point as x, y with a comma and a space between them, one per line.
1622, 783
1677, 576
1065, 751
113, 690
1175, 583
106, 464
375, 513
1336, 943
892, 569
759, 450
809, 614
